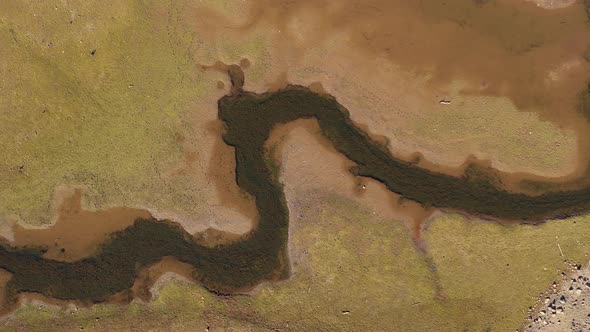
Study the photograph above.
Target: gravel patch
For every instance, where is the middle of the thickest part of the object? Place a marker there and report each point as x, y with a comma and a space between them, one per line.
566, 305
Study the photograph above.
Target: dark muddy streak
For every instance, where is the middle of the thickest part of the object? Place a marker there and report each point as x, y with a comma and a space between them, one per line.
262, 254
475, 193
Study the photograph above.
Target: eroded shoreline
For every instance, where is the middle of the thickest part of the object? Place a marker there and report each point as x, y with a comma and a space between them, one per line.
262, 254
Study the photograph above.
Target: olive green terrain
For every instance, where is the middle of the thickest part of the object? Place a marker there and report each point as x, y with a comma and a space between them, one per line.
87, 99
351, 261
99, 96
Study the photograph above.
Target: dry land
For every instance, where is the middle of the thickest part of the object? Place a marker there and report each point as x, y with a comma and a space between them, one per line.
108, 112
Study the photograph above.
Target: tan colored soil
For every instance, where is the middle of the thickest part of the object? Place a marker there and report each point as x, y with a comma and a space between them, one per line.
4, 278
391, 63
553, 4
154, 273
447, 41
77, 233
564, 306
222, 171
312, 169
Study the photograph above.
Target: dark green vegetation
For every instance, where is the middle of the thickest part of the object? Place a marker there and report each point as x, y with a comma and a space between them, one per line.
249, 119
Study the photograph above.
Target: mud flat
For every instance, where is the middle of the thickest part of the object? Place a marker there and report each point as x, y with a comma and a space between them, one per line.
261, 254
77, 233
553, 4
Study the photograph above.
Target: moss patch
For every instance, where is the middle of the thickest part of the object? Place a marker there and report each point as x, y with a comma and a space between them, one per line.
501, 269
97, 97
356, 273
103, 96
492, 128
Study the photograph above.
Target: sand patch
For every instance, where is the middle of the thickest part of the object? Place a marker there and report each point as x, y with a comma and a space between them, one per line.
553, 4
393, 78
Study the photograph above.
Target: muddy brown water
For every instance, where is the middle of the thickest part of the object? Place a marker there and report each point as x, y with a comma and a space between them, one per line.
497, 47
113, 270
77, 233
262, 254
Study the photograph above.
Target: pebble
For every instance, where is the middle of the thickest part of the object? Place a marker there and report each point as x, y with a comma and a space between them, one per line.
563, 303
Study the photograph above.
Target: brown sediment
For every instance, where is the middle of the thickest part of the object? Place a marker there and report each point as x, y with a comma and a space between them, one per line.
4, 278
317, 165
222, 172
317, 87
274, 144
245, 63
190, 157
280, 82
142, 286
212, 237
478, 191
524, 182
249, 120
77, 233
540, 68
553, 4
513, 182
236, 73
222, 166
452, 40
308, 162
416, 215
148, 277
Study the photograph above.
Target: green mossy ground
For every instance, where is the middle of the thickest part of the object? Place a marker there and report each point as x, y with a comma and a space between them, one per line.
107, 120
490, 274
516, 138
99, 96
110, 121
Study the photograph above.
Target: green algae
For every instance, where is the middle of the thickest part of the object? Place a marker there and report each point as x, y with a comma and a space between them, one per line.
364, 273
